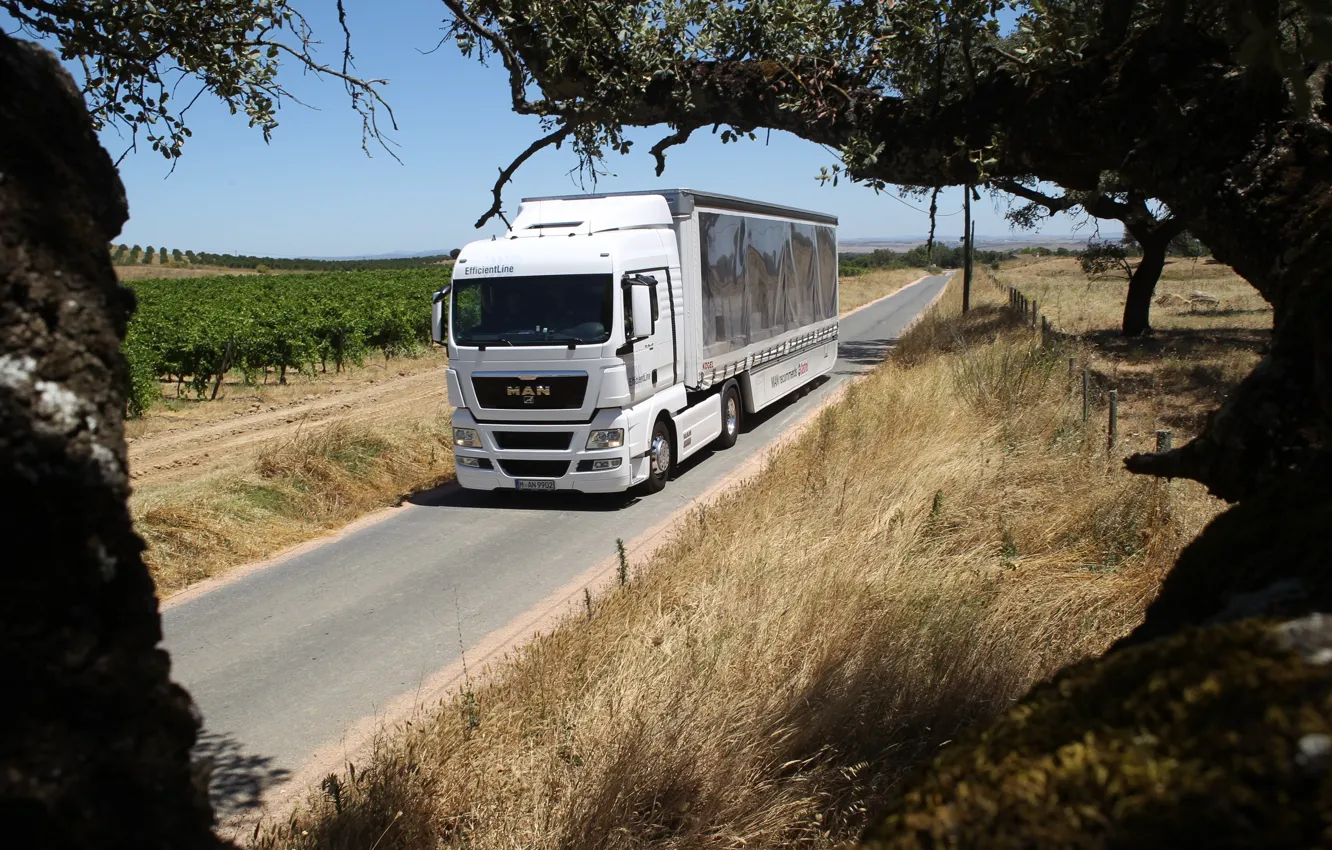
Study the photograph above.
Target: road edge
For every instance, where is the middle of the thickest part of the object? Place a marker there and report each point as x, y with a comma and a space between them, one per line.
481, 660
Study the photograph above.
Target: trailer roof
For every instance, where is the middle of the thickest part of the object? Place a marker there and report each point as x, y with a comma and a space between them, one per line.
683, 201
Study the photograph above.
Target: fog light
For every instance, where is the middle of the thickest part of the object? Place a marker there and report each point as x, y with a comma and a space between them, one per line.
466, 437
608, 463
611, 438
473, 462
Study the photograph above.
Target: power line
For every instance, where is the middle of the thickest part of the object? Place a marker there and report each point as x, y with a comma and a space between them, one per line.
921, 211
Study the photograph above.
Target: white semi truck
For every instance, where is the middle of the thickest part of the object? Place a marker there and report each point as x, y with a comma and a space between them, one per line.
605, 338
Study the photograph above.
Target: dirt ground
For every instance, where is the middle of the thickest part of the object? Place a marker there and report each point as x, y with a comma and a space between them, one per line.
142, 272
175, 445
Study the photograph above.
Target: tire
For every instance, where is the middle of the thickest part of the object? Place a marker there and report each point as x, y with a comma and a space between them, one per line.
733, 411
661, 458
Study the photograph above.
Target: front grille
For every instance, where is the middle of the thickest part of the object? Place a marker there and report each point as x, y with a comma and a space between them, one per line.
551, 441
534, 468
553, 392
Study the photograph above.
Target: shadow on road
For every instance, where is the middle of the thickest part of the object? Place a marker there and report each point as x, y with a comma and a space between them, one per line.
238, 778
451, 495
862, 353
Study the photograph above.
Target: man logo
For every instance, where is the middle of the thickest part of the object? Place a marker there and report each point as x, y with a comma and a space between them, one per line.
527, 393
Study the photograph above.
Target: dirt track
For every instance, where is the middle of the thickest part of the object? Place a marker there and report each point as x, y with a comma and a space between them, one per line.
192, 450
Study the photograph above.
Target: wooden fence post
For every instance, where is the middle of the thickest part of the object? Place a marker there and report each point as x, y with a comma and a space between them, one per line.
1164, 440
1086, 396
1114, 420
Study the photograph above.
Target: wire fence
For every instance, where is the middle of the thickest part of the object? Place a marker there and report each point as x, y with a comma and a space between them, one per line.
1027, 310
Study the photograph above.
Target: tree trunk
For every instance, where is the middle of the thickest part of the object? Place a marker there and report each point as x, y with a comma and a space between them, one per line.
1142, 285
95, 739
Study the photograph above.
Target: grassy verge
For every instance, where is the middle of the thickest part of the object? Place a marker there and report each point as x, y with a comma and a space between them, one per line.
297, 489
939, 540
853, 292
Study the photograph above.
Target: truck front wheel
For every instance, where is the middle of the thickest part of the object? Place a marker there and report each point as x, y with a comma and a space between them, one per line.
661, 455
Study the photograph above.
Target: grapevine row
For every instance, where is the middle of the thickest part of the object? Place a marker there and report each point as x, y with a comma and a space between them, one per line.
194, 331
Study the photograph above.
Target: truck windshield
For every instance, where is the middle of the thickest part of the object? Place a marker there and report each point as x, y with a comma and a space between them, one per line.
532, 310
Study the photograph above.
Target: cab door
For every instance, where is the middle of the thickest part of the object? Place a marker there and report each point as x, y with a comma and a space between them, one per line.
651, 361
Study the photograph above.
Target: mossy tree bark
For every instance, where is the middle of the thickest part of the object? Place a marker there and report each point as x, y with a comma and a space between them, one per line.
94, 737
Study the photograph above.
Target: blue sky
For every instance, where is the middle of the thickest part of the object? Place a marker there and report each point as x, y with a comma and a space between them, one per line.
312, 191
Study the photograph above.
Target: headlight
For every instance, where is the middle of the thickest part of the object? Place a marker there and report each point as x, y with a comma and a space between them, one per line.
612, 438
466, 437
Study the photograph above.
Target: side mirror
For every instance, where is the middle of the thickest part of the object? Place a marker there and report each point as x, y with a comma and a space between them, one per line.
438, 304
640, 306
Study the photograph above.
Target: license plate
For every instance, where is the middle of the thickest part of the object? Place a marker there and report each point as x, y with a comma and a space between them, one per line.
535, 485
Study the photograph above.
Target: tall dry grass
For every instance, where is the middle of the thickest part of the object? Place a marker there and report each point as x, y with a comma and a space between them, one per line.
296, 490
936, 542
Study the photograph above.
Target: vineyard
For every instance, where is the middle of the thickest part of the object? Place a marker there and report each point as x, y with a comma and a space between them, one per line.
193, 332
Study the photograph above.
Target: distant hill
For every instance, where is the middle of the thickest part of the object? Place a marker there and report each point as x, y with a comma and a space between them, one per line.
393, 255
902, 244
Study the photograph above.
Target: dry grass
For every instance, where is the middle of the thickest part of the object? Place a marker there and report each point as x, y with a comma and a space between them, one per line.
938, 541
1177, 376
297, 490
858, 291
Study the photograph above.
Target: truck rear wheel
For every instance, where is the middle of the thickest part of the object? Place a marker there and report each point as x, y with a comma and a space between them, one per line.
732, 411
661, 458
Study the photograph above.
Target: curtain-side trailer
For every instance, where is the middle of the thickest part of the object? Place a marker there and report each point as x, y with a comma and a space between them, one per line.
606, 338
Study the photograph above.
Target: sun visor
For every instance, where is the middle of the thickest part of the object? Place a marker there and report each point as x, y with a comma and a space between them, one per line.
569, 217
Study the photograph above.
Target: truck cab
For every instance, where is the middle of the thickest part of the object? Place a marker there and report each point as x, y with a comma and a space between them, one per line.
604, 338
555, 379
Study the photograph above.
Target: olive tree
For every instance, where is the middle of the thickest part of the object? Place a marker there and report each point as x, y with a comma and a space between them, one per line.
96, 743
1152, 228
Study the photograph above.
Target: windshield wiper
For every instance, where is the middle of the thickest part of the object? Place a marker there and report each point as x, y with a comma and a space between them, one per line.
482, 343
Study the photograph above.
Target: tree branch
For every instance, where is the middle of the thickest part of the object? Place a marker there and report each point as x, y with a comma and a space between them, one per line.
358, 88
506, 174
1054, 205
658, 151
517, 84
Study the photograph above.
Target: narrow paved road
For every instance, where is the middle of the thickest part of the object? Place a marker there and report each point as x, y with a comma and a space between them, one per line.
285, 659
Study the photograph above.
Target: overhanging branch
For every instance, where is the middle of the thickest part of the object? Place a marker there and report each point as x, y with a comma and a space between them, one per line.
658, 151
506, 174
512, 64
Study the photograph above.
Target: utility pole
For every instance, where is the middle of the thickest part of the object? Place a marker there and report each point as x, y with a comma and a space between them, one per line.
968, 248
